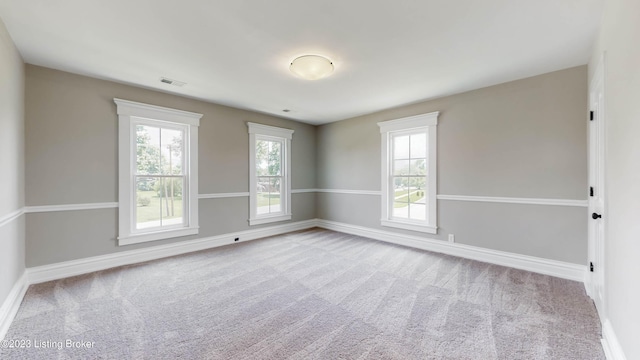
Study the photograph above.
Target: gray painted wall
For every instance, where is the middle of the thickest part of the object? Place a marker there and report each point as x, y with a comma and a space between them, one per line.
11, 162
618, 37
71, 158
523, 139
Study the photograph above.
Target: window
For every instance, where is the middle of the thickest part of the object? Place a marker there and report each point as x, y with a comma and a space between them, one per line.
409, 173
158, 164
270, 174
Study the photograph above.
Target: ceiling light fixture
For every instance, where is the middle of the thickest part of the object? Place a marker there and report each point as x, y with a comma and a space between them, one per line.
311, 67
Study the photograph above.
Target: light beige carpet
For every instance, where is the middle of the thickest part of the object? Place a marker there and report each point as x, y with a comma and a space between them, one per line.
314, 294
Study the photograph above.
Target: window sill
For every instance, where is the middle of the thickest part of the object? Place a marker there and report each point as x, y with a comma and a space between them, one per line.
410, 226
157, 235
269, 219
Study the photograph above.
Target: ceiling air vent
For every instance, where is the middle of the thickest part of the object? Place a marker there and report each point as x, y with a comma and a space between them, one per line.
172, 82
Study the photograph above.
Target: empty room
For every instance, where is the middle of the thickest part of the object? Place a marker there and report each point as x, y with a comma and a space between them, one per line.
337, 180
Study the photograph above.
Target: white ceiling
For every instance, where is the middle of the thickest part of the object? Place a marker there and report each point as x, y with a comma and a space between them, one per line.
237, 53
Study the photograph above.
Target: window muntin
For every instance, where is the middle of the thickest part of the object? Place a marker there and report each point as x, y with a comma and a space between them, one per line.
270, 174
158, 172
409, 173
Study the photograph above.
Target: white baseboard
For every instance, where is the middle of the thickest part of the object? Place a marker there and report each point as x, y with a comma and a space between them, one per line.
82, 266
539, 265
610, 344
588, 285
11, 304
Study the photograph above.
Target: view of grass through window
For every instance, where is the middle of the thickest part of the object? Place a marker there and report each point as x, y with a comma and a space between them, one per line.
159, 176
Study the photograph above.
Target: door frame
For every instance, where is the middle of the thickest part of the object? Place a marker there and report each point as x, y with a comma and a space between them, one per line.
596, 176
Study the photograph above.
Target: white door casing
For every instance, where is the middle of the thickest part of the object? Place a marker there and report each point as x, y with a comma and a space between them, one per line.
596, 227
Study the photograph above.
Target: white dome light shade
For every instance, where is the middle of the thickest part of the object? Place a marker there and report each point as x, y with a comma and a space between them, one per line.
311, 67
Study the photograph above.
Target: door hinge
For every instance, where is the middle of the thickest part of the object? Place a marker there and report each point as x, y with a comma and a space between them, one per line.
591, 115
591, 266
590, 190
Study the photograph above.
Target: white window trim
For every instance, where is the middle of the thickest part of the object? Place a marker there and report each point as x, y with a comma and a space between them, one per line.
387, 129
280, 134
128, 112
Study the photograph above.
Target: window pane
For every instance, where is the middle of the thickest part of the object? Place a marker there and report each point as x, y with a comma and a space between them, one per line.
262, 158
401, 189
401, 147
147, 202
148, 150
171, 201
401, 167
171, 141
417, 206
263, 196
268, 158
418, 184
418, 166
401, 210
275, 158
418, 211
419, 145
275, 195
